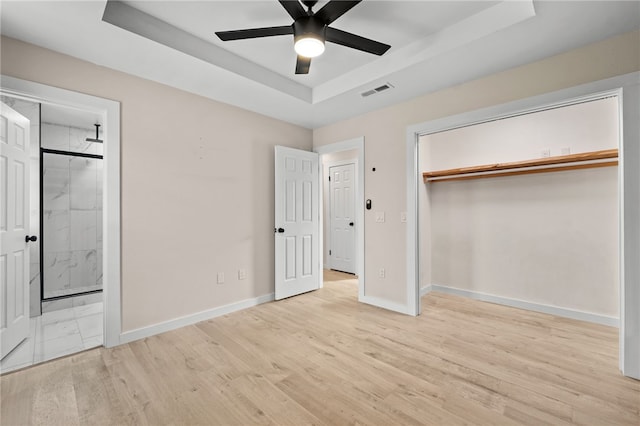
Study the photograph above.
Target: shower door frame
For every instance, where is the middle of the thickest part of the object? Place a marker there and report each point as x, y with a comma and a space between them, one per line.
41, 178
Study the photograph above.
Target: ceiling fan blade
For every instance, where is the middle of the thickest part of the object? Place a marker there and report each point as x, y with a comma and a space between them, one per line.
254, 33
293, 8
334, 9
302, 65
356, 42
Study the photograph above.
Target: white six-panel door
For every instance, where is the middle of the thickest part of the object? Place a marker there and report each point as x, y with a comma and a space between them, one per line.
14, 226
297, 223
342, 223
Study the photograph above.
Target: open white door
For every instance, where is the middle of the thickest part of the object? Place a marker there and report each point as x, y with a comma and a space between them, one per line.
14, 225
342, 222
297, 227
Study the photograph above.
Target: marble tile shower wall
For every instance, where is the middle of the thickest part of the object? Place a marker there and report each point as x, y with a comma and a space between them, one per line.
72, 212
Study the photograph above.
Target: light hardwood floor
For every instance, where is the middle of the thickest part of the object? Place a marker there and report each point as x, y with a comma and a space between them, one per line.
324, 359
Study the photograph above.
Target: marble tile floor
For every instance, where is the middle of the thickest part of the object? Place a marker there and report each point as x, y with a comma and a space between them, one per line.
57, 333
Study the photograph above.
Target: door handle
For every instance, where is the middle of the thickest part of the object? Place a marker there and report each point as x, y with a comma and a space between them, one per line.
350, 223
279, 230
30, 238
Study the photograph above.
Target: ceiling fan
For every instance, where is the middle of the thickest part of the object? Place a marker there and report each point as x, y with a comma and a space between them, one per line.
311, 30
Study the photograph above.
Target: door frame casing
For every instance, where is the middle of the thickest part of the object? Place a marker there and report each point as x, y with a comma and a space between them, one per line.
627, 89
327, 166
348, 145
110, 112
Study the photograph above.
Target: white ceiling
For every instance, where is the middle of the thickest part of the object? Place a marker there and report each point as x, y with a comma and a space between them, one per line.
435, 44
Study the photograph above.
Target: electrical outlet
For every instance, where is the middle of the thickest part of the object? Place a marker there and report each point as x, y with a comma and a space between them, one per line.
381, 273
546, 153
242, 274
380, 217
403, 217
220, 277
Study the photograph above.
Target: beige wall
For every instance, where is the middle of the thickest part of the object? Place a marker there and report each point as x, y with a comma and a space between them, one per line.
385, 132
197, 191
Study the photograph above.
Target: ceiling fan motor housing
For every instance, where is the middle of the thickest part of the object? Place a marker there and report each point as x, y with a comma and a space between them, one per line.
309, 27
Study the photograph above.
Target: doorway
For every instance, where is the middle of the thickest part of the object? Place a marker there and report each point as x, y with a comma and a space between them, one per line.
106, 112
340, 212
65, 248
337, 155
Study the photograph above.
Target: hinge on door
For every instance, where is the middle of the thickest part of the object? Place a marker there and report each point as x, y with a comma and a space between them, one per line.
329, 178
329, 252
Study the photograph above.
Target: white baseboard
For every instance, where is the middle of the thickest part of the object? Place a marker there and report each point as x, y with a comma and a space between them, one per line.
383, 303
516, 303
425, 290
140, 333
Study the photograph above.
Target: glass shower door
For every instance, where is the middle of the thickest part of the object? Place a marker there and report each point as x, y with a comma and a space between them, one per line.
71, 223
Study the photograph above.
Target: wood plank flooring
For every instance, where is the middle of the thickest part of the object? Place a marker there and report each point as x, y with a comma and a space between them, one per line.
324, 359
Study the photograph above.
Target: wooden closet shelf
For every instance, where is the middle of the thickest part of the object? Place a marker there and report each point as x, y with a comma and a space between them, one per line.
538, 165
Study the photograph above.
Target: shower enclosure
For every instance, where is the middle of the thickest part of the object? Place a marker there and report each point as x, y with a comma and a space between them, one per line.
71, 215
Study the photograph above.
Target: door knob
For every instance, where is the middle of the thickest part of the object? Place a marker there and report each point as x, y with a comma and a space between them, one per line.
279, 230
350, 223
30, 238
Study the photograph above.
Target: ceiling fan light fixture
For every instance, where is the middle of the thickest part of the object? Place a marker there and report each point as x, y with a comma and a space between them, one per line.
309, 35
309, 46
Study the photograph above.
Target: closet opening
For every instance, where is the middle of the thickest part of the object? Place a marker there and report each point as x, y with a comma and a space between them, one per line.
626, 90
523, 211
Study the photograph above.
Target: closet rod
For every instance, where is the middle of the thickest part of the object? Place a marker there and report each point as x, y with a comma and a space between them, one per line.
539, 165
